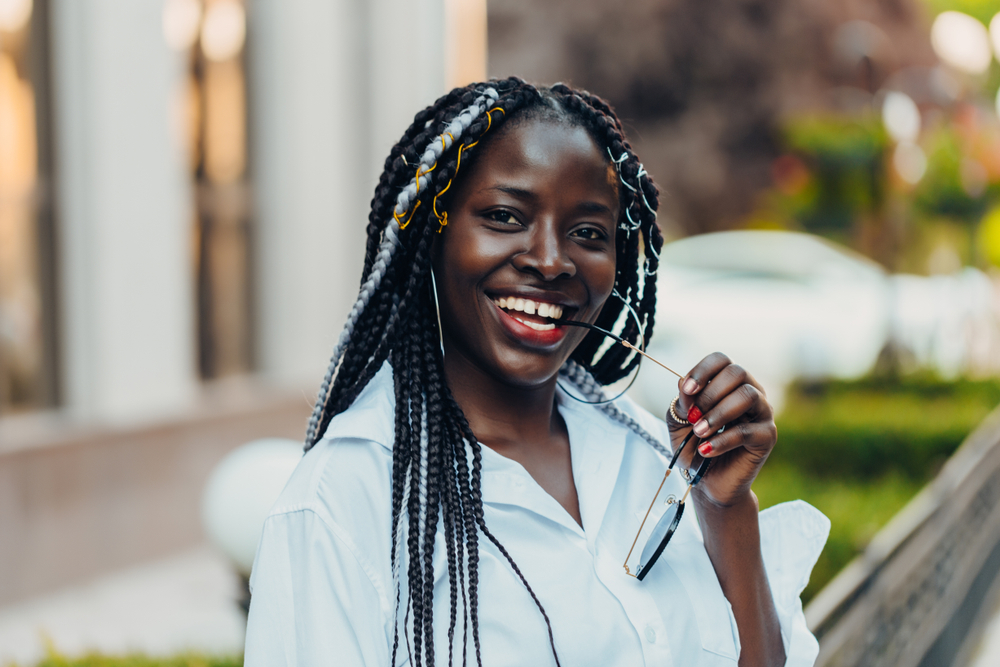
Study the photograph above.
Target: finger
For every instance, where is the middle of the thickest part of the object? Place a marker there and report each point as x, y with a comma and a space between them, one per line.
686, 450
757, 437
744, 399
725, 382
676, 416
699, 376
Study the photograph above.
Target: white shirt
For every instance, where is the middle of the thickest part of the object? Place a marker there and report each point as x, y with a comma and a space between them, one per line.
322, 581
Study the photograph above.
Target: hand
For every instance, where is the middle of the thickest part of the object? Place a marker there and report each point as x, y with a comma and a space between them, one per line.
717, 393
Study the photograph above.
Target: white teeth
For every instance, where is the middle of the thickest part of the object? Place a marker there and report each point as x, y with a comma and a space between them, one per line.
530, 307
535, 325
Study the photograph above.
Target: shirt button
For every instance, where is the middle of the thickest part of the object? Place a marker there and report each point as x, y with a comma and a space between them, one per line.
651, 635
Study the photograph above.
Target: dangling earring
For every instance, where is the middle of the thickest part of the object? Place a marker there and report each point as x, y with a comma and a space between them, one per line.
437, 309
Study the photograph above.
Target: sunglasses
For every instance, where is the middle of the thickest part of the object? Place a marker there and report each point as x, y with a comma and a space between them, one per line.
667, 525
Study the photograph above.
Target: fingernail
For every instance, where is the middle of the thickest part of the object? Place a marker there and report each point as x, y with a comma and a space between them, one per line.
690, 386
701, 427
705, 448
694, 414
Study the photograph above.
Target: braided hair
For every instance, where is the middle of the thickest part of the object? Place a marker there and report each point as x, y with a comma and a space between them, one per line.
437, 459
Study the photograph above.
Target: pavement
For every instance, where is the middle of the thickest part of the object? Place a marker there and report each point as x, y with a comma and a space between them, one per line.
186, 602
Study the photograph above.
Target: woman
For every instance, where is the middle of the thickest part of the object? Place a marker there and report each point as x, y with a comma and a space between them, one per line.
467, 493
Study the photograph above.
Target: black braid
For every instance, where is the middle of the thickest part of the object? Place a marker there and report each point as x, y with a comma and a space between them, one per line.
435, 448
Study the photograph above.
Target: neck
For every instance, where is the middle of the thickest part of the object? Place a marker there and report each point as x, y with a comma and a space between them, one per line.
500, 414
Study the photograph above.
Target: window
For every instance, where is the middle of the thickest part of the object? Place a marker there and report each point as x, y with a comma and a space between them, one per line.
211, 34
27, 341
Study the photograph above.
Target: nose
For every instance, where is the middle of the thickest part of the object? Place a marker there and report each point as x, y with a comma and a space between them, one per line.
546, 254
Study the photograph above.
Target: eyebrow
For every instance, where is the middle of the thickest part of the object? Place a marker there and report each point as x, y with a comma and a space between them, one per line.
520, 193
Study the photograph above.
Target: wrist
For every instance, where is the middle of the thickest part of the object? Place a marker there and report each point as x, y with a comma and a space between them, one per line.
738, 507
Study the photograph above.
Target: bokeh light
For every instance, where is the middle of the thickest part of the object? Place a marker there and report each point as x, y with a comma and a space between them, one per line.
901, 116
989, 236
14, 14
181, 20
962, 42
995, 34
909, 161
223, 30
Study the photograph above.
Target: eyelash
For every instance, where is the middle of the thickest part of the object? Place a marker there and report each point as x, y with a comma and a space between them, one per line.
494, 215
597, 233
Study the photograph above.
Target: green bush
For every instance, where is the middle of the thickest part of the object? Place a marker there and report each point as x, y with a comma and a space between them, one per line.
873, 427
859, 451
856, 509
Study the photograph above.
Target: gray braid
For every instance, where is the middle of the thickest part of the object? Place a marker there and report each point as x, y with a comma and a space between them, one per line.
390, 242
594, 391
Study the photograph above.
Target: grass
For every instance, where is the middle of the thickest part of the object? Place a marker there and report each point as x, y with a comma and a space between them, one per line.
95, 660
859, 451
856, 509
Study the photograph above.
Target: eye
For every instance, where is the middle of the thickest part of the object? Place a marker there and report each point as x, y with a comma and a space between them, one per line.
590, 234
502, 217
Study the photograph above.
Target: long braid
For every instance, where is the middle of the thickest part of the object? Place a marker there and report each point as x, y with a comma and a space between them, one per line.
404, 201
437, 459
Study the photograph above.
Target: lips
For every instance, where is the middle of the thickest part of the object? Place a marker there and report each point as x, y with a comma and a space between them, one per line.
530, 321
520, 308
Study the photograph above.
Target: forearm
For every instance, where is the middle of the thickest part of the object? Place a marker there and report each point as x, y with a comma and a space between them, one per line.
732, 539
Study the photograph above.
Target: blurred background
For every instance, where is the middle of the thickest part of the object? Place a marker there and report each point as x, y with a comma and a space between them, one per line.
184, 188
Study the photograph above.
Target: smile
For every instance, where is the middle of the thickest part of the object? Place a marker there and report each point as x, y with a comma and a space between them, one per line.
540, 309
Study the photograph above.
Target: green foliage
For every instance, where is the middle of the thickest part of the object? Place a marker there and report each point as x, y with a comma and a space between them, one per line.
866, 429
859, 451
984, 10
941, 192
846, 157
856, 509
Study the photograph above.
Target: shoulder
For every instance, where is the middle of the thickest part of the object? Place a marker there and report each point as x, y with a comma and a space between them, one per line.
345, 480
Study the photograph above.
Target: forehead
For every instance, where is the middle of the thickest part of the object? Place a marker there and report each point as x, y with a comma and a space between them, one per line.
537, 147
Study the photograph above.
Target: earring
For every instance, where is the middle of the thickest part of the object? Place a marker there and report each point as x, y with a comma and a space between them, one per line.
437, 309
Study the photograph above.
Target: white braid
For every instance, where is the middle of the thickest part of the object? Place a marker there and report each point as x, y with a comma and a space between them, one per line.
594, 391
422, 481
390, 242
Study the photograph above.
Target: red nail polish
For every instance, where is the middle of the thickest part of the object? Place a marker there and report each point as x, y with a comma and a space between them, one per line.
705, 448
694, 414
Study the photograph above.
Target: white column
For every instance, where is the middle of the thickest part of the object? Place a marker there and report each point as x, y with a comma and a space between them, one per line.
124, 212
334, 84
406, 48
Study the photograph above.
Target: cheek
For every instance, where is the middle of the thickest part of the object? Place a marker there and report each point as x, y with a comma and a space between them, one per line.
471, 257
601, 277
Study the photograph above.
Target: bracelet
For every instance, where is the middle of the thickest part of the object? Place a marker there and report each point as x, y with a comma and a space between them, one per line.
673, 413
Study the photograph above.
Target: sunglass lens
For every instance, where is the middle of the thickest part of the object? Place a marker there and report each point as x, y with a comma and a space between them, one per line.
658, 539
695, 475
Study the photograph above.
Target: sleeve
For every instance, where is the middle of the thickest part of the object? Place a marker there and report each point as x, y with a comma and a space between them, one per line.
792, 536
312, 600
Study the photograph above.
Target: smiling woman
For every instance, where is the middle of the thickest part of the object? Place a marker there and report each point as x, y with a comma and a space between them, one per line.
455, 497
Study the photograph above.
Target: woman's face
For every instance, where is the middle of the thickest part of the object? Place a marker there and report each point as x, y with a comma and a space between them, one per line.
530, 237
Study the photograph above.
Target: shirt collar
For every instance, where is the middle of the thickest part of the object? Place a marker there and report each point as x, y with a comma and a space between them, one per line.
597, 446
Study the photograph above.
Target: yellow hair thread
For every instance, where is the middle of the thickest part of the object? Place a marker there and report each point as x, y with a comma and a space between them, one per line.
403, 225
443, 216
